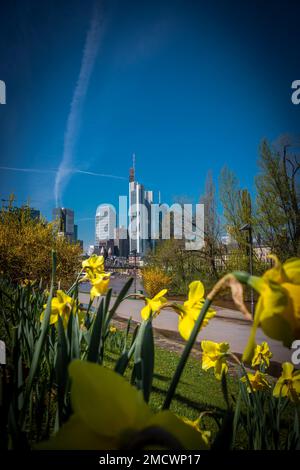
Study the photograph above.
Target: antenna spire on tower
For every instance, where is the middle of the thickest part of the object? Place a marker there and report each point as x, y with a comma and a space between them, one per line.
133, 163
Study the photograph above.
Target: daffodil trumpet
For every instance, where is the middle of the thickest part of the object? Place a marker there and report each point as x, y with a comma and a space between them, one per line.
277, 310
215, 355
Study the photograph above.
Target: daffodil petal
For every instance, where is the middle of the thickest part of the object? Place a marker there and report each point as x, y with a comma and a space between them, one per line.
93, 387
76, 435
160, 294
220, 368
257, 283
145, 312
251, 344
292, 270
280, 389
209, 347
185, 326
185, 434
196, 291
287, 370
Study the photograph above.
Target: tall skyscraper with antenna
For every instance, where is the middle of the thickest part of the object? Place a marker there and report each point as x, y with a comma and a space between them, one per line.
140, 202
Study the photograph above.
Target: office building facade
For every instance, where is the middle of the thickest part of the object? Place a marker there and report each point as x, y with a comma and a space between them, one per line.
105, 223
139, 230
65, 220
121, 242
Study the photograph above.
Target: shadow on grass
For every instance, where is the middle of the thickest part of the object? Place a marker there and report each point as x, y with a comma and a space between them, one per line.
199, 406
181, 399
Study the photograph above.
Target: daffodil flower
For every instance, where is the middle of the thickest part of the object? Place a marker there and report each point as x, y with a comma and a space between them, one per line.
27, 282
100, 283
99, 279
258, 381
215, 355
94, 265
154, 304
62, 305
206, 435
262, 355
288, 385
112, 329
278, 308
190, 310
109, 413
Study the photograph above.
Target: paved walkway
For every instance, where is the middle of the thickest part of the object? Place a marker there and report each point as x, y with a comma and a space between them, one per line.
228, 325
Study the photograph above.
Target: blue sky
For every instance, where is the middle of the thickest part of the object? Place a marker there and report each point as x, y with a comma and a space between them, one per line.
187, 86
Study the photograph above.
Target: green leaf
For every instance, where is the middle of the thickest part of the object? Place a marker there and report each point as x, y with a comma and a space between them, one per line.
38, 350
107, 301
96, 336
223, 440
62, 362
236, 419
225, 389
125, 357
118, 300
144, 359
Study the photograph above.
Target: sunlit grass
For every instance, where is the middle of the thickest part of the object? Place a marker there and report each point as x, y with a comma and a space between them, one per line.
197, 390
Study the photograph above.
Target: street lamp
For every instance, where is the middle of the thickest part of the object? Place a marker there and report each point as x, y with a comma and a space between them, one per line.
248, 228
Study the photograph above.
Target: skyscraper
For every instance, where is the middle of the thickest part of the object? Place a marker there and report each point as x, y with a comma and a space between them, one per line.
65, 219
121, 242
105, 225
140, 202
75, 233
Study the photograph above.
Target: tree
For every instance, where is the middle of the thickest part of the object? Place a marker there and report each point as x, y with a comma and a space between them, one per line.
278, 206
213, 249
237, 206
25, 248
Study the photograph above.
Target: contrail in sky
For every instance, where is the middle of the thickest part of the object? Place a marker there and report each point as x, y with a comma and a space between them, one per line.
68, 171
87, 64
27, 170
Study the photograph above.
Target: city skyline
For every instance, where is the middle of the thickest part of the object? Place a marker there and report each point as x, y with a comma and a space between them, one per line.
188, 87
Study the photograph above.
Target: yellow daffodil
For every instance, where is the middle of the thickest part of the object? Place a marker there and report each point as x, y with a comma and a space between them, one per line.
258, 381
288, 385
99, 279
94, 265
278, 308
190, 310
112, 329
215, 355
206, 435
154, 304
46, 293
100, 283
262, 355
27, 282
62, 305
109, 414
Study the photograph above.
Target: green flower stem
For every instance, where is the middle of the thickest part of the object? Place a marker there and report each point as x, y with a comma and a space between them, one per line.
69, 292
186, 352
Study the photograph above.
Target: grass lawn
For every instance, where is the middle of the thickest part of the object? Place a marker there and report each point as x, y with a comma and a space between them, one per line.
197, 390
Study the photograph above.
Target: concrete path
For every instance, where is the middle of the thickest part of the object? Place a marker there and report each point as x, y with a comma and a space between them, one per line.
228, 325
